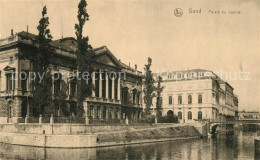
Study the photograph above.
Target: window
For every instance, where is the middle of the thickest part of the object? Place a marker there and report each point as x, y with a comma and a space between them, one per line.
179, 75
125, 97
134, 96
57, 82
189, 99
24, 81
199, 98
73, 87
98, 112
199, 115
170, 99
90, 111
179, 99
189, 115
180, 115
9, 80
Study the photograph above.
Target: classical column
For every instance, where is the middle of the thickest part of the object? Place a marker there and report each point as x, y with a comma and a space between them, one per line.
118, 88
113, 87
106, 86
100, 85
93, 82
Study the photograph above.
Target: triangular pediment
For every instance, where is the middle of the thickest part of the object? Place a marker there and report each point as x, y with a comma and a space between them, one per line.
104, 56
106, 59
8, 68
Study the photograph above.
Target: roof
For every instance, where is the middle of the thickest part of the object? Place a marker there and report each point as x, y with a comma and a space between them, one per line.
69, 44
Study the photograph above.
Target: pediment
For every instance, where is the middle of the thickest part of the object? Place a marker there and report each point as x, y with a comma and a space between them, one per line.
107, 60
8, 68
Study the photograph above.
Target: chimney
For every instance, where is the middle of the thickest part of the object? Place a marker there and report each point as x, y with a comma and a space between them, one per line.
12, 32
27, 29
135, 67
129, 64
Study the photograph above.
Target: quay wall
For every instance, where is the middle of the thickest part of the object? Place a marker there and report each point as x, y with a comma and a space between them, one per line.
54, 141
113, 137
64, 129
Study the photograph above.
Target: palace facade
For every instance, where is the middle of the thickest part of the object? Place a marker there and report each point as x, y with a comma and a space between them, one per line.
117, 87
196, 95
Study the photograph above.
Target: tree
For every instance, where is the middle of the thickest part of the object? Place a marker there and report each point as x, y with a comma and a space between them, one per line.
42, 84
84, 55
159, 90
148, 87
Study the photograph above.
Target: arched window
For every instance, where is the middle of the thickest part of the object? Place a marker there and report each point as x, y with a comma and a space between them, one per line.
199, 98
189, 99
179, 99
170, 113
180, 115
170, 99
189, 115
199, 115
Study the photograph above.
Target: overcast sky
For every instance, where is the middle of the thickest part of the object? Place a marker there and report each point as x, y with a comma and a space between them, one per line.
136, 29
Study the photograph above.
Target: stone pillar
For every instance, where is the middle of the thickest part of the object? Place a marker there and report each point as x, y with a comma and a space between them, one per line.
106, 86
86, 120
118, 88
100, 85
26, 119
40, 119
51, 120
113, 87
93, 82
126, 120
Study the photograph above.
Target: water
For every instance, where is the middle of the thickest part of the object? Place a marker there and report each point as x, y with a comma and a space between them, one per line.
239, 146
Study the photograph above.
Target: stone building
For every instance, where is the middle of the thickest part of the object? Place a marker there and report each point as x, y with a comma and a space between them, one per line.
117, 92
197, 94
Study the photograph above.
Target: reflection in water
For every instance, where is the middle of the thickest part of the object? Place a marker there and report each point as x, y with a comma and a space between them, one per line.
239, 146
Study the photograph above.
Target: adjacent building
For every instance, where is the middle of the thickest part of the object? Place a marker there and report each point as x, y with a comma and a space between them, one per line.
117, 91
197, 95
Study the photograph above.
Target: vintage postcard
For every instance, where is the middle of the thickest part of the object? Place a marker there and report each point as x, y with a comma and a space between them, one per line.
130, 79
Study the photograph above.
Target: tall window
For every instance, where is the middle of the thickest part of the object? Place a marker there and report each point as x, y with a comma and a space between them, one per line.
9, 81
199, 115
73, 83
180, 115
24, 81
189, 115
125, 97
189, 99
170, 99
199, 98
179, 99
90, 111
57, 82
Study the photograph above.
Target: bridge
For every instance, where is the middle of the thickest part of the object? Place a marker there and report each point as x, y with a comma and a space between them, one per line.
230, 124
240, 121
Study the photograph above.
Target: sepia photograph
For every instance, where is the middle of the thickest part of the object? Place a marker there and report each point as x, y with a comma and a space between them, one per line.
130, 79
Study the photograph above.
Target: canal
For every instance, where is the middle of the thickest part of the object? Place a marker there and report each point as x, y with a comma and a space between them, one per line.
238, 146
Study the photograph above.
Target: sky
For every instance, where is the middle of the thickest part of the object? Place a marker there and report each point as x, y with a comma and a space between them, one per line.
133, 30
